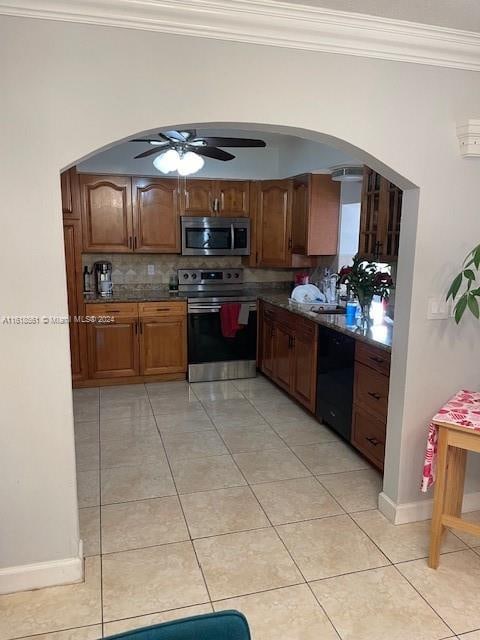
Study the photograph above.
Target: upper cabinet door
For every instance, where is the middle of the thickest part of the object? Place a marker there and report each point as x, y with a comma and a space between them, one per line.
156, 215
233, 198
273, 223
69, 188
199, 198
107, 213
300, 206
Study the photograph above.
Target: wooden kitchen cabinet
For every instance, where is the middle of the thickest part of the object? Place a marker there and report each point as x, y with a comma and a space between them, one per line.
315, 215
273, 213
380, 218
73, 264
163, 337
199, 198
370, 401
282, 355
304, 365
70, 193
106, 213
288, 352
163, 345
294, 221
144, 339
113, 348
156, 215
228, 198
233, 198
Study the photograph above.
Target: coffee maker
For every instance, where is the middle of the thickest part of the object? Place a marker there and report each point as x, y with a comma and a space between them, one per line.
103, 278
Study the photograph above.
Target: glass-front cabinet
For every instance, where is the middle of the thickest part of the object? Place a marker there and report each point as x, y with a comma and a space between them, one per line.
380, 218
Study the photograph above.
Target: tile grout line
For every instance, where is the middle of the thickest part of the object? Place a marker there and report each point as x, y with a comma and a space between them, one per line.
180, 504
100, 511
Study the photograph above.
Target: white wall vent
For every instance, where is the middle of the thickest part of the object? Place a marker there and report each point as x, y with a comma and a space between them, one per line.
468, 135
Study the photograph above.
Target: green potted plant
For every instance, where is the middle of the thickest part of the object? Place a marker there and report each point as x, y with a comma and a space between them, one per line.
466, 281
365, 280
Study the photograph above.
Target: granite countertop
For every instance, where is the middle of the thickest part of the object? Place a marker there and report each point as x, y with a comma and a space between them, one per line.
379, 335
135, 295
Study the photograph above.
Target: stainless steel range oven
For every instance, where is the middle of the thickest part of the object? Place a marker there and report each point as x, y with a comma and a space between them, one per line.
211, 355
215, 236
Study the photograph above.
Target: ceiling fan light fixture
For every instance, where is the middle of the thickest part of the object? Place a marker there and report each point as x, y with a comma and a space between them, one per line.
190, 163
167, 162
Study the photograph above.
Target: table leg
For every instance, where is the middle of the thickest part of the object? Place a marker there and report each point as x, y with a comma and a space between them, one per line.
439, 499
456, 464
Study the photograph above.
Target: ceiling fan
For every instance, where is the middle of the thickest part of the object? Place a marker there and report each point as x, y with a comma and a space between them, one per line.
182, 151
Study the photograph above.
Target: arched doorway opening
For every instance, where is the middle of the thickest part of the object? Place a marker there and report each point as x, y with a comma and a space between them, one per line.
303, 151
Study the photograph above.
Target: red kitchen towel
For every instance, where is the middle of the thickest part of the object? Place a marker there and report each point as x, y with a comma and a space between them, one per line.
229, 319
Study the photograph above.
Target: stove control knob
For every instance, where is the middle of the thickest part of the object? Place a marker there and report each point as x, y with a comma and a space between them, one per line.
229, 275
185, 276
236, 275
194, 276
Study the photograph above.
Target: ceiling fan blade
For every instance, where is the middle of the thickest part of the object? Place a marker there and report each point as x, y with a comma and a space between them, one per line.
211, 152
148, 152
173, 135
231, 142
157, 143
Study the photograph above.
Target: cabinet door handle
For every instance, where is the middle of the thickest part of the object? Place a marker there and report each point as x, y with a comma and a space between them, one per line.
141, 327
377, 359
136, 327
289, 243
129, 242
375, 395
135, 242
373, 441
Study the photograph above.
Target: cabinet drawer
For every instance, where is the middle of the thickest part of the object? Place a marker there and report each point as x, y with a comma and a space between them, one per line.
277, 314
368, 435
378, 359
371, 390
161, 309
120, 309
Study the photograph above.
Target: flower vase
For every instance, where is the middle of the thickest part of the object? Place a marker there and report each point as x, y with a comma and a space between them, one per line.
365, 303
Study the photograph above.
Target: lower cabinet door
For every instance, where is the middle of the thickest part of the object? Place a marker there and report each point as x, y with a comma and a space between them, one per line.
163, 345
282, 356
266, 362
304, 369
113, 349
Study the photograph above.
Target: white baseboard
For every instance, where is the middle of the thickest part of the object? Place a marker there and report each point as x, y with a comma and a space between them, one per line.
420, 510
42, 574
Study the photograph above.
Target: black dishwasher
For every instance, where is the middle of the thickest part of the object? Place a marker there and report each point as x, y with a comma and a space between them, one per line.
335, 364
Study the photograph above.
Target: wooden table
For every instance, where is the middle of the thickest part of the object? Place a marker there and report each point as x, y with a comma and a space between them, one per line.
453, 443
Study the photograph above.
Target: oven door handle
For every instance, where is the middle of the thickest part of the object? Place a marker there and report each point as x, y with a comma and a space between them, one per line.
213, 308
204, 309
232, 237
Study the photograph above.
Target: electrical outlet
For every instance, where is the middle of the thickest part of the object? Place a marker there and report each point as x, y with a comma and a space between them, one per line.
151, 269
438, 309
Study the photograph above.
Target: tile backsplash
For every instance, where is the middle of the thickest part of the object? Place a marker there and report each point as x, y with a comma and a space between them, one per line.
133, 268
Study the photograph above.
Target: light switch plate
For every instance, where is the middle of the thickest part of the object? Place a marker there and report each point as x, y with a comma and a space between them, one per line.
438, 309
151, 269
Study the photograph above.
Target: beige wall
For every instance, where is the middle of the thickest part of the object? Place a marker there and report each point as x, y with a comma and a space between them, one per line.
68, 90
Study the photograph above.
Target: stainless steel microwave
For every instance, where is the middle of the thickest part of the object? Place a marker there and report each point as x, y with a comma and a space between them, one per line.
215, 236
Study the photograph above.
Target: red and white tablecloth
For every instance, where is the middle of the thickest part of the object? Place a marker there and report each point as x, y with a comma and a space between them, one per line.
463, 410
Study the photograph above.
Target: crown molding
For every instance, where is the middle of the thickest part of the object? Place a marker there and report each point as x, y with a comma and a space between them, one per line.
268, 22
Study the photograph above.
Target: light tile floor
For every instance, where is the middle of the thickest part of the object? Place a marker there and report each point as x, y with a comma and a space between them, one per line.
208, 496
